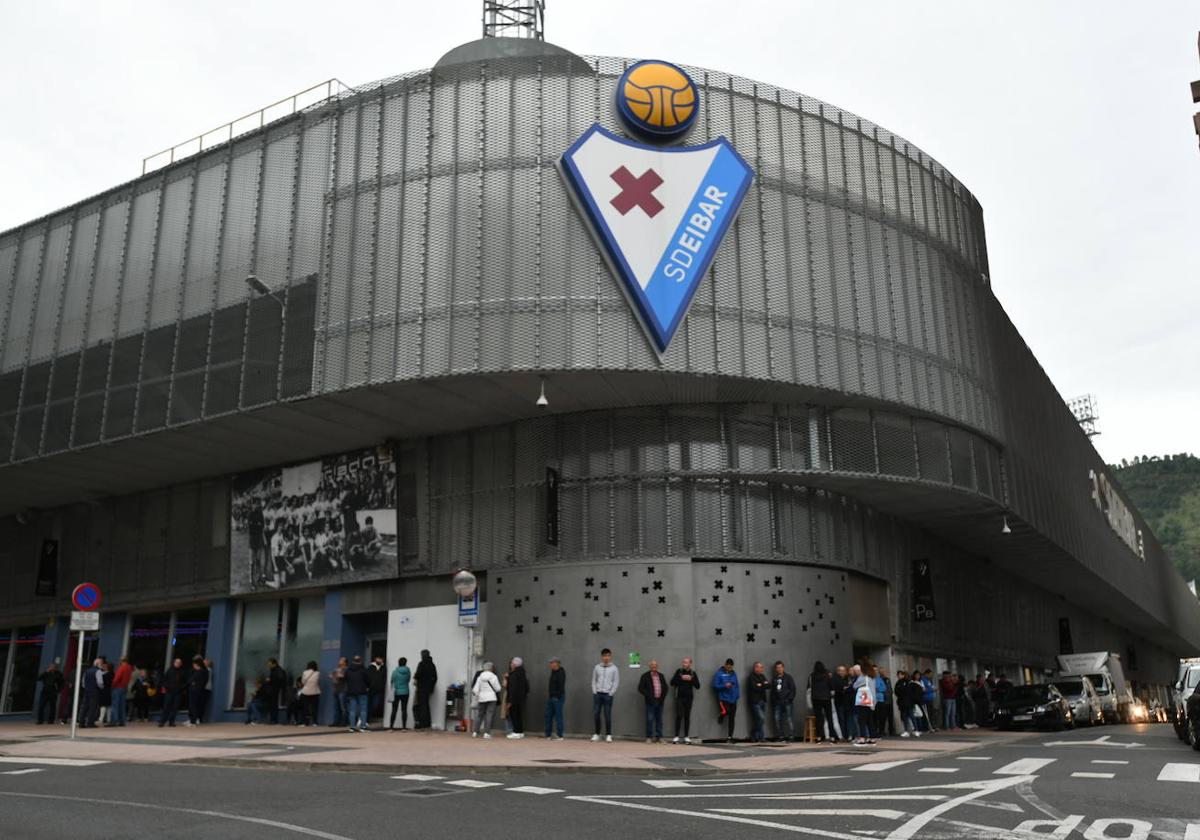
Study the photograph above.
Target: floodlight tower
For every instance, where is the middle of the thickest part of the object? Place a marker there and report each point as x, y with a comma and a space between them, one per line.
1084, 409
514, 18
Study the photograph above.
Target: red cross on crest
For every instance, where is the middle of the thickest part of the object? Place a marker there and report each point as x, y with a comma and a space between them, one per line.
637, 192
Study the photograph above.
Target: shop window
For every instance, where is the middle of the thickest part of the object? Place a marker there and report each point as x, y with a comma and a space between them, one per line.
290, 631
21, 652
149, 637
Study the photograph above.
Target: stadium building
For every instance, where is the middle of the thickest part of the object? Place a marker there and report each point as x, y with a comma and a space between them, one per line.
845, 449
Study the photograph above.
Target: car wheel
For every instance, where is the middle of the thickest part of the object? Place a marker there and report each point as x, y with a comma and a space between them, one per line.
1193, 736
1060, 722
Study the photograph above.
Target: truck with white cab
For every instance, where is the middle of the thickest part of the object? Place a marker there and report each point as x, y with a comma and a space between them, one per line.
1107, 676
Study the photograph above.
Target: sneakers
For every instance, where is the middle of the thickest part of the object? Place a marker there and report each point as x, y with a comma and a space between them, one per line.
515, 736
487, 735
676, 740
474, 734
917, 733
608, 738
688, 741
353, 730
596, 737
557, 738
649, 740
903, 734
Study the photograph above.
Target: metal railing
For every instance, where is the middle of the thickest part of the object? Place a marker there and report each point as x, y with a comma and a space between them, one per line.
249, 122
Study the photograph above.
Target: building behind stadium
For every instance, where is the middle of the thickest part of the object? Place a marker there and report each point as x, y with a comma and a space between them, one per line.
847, 449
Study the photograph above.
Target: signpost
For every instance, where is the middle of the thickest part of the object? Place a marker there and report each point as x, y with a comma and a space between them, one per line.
86, 599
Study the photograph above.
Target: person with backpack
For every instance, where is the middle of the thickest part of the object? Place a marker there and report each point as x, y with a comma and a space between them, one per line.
486, 691
685, 681
725, 682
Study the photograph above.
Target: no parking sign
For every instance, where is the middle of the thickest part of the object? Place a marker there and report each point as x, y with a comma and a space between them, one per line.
86, 597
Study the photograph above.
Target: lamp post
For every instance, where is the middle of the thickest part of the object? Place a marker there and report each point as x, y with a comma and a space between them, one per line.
465, 585
259, 288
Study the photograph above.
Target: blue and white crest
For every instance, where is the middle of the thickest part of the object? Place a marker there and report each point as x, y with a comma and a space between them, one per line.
659, 215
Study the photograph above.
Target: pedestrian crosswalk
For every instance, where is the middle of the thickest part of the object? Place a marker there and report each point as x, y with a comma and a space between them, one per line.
476, 784
1096, 769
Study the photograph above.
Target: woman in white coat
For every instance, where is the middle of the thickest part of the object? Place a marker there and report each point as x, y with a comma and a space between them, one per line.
486, 692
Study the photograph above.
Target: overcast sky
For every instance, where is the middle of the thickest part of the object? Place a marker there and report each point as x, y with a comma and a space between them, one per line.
1070, 121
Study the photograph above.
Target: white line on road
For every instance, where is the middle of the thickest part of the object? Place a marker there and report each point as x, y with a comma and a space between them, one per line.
911, 828
974, 757
882, 765
1173, 772
298, 829
1108, 761
1082, 775
21, 772
539, 791
1102, 741
419, 777
474, 783
1192, 832
1023, 766
58, 762
939, 769
794, 829
881, 813
661, 784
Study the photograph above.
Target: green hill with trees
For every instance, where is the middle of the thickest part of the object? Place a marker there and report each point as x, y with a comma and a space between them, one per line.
1166, 489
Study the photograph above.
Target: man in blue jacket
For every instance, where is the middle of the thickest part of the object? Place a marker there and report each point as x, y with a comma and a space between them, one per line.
725, 681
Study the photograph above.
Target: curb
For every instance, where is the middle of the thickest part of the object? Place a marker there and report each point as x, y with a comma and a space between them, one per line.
454, 770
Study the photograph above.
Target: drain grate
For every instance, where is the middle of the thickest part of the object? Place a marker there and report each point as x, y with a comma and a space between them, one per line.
554, 761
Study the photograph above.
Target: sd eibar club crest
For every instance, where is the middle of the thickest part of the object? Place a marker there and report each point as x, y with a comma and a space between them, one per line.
658, 213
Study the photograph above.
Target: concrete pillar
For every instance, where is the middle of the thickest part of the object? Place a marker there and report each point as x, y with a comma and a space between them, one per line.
112, 635
222, 633
331, 649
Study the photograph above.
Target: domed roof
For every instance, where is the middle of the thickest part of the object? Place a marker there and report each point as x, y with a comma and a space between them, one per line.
500, 49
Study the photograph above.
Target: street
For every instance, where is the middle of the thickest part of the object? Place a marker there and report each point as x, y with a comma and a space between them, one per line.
1108, 782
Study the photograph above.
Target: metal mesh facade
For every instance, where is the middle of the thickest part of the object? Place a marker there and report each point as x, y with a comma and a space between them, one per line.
419, 229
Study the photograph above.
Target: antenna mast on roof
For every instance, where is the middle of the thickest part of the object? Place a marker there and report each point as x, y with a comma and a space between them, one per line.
514, 18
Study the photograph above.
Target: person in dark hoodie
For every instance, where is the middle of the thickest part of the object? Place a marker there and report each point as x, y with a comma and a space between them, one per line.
376, 679
91, 696
685, 681
842, 685
426, 679
358, 688
518, 691
277, 685
758, 686
783, 700
820, 700
173, 686
197, 685
52, 683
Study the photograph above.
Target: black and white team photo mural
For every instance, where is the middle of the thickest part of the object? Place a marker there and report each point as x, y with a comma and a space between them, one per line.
325, 522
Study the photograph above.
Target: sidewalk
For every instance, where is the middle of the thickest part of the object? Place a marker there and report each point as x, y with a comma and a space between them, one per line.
323, 748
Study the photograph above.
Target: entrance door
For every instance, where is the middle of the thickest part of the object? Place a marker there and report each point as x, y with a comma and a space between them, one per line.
376, 646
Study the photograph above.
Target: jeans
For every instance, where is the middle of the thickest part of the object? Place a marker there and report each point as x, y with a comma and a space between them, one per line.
356, 707
949, 712
195, 705
516, 715
847, 722
823, 709
170, 708
758, 721
117, 716
683, 715
341, 716
730, 710
356, 711
907, 721
483, 723
311, 704
864, 715
602, 704
654, 720
400, 701
927, 711
254, 711
47, 706
784, 727
554, 716
884, 721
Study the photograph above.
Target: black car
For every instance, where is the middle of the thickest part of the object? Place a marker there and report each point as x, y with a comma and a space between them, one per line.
1191, 725
1034, 705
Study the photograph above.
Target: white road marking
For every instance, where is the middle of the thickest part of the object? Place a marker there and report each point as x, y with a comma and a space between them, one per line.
1192, 832
794, 829
297, 829
1023, 766
700, 783
883, 814
974, 757
882, 765
1102, 741
1173, 772
939, 769
419, 777
21, 772
474, 783
539, 791
57, 762
1082, 775
1108, 761
911, 828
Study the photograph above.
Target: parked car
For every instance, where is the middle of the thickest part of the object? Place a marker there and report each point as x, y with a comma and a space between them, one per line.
1034, 705
1191, 725
1185, 687
1085, 703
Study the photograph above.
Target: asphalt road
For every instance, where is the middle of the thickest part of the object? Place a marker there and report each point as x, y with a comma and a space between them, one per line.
1109, 782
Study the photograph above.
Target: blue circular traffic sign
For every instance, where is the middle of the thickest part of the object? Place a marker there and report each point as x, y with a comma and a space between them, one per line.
86, 597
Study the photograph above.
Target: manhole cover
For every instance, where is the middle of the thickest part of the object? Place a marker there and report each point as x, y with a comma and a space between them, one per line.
423, 791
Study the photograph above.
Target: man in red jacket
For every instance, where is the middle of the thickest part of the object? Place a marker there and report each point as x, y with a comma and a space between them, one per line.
120, 691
